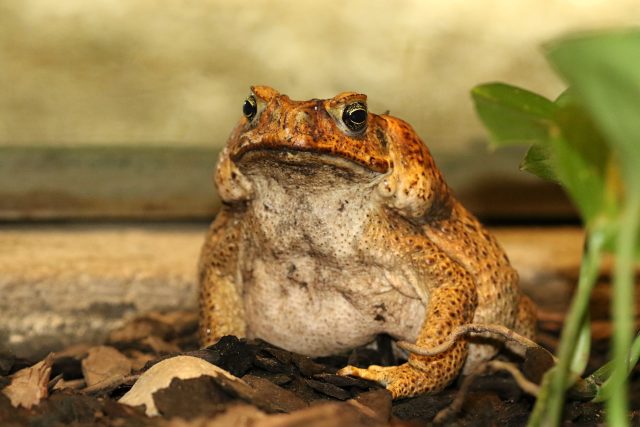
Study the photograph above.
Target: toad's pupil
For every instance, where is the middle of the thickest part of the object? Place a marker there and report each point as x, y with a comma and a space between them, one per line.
358, 116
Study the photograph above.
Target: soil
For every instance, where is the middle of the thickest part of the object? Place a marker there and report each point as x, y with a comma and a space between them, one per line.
290, 389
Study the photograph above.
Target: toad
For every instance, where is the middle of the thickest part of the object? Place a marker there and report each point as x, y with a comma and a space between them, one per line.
336, 225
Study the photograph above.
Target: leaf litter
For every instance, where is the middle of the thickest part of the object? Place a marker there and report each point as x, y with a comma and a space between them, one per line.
245, 382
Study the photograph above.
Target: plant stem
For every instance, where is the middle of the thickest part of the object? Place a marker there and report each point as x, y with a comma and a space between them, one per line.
601, 376
548, 408
622, 307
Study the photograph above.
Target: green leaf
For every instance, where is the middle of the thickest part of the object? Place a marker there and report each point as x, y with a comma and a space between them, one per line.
603, 373
538, 162
513, 115
603, 70
581, 160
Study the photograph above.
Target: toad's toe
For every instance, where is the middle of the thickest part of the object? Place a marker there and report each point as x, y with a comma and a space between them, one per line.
401, 381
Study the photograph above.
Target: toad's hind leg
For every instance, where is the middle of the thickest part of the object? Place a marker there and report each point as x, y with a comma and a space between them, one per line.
450, 306
527, 316
221, 308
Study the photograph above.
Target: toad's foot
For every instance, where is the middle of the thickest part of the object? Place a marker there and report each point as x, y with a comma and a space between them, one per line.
401, 381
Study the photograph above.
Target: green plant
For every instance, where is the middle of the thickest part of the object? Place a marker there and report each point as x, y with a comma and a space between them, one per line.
588, 141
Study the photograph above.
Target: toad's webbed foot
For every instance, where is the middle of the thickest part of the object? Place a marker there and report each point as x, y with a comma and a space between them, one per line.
401, 381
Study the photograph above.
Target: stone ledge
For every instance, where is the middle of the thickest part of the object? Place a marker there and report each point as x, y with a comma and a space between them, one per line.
69, 283
62, 284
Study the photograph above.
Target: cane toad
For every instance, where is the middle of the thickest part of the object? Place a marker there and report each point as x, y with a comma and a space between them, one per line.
336, 226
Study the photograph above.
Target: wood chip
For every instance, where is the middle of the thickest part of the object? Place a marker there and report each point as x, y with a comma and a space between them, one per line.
272, 398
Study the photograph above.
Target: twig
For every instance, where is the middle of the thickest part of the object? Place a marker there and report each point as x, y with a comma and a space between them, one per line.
108, 384
472, 328
455, 406
52, 383
527, 386
486, 368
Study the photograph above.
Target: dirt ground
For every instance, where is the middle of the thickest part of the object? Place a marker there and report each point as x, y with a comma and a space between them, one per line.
83, 385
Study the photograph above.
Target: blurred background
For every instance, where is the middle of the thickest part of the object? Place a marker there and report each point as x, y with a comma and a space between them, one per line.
115, 110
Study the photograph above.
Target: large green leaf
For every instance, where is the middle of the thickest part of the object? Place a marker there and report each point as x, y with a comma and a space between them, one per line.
513, 115
604, 71
581, 160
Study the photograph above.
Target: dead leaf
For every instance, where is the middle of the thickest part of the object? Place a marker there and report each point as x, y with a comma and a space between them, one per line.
159, 345
29, 385
237, 415
103, 363
159, 376
537, 362
162, 325
139, 359
322, 415
69, 384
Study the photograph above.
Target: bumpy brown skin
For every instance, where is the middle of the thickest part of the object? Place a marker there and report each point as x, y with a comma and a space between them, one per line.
463, 274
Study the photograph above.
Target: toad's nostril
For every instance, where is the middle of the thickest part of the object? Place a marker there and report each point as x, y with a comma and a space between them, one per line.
303, 118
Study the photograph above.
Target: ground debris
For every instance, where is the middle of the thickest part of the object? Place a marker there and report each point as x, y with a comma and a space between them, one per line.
29, 385
190, 398
236, 415
253, 383
340, 381
160, 376
271, 397
157, 333
328, 389
104, 363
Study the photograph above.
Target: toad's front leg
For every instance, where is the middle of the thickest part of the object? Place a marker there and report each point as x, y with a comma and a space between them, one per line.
451, 304
221, 308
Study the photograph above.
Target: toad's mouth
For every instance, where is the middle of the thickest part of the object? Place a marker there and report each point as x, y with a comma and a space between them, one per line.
326, 154
302, 165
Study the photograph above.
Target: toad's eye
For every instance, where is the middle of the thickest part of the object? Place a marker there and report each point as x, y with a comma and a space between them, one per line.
354, 116
250, 107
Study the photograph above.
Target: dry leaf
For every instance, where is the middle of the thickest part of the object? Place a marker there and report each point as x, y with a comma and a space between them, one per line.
159, 376
139, 359
237, 415
104, 363
159, 345
29, 385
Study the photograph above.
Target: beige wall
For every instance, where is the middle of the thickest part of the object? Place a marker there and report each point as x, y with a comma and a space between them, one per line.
160, 71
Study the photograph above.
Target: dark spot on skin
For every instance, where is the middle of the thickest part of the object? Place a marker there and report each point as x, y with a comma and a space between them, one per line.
341, 208
379, 318
381, 307
381, 137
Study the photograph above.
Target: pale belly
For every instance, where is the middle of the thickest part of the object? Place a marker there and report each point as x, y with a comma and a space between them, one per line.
303, 305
